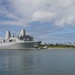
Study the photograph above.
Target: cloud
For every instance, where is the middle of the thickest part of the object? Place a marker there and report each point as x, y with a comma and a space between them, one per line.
71, 19
66, 21
42, 16
59, 12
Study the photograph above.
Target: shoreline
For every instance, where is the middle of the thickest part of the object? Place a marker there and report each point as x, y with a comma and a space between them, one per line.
60, 48
57, 48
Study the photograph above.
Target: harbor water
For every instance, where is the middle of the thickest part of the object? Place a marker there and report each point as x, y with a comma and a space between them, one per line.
37, 62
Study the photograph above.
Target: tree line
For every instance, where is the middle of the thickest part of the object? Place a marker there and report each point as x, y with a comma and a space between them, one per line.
60, 45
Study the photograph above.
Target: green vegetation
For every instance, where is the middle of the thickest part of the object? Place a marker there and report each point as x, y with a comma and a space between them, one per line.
58, 45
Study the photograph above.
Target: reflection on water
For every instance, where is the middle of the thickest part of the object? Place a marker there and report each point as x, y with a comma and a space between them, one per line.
37, 62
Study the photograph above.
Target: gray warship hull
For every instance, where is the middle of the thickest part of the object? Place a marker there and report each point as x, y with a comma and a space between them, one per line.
20, 45
20, 41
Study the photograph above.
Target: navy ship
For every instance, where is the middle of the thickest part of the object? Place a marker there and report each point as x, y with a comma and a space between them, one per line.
21, 41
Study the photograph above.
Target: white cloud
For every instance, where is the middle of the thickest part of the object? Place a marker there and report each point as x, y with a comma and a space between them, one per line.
60, 12
42, 16
61, 22
70, 20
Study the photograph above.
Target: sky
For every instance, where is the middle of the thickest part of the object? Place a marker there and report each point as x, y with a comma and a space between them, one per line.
51, 21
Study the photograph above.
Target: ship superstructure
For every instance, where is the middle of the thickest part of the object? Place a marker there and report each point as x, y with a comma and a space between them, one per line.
21, 41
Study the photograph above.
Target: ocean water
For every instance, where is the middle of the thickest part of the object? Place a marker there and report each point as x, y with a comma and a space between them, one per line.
37, 62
